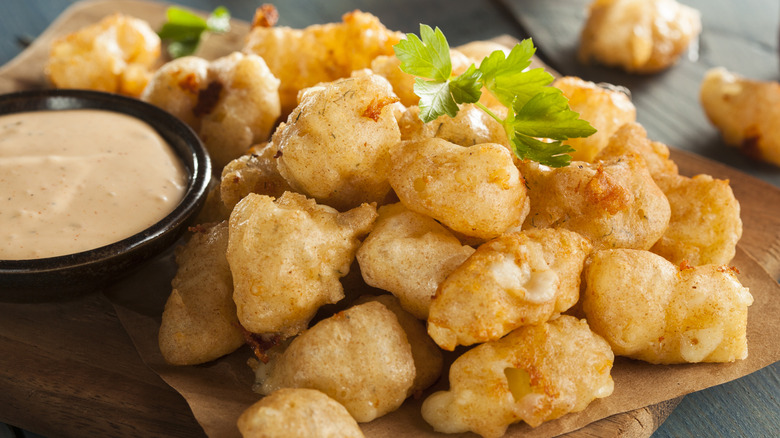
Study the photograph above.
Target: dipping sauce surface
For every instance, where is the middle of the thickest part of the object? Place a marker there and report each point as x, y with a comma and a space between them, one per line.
75, 180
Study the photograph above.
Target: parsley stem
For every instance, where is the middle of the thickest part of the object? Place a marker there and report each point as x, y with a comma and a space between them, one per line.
503, 122
489, 112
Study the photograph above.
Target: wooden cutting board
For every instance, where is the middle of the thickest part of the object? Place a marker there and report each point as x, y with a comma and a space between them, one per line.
70, 368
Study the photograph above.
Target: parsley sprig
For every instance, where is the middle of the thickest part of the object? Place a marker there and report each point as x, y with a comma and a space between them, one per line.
535, 110
183, 29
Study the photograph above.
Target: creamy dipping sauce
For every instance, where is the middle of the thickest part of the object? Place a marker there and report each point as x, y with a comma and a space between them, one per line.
75, 180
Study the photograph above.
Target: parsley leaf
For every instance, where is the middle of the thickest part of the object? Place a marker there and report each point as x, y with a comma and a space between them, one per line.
435, 99
428, 58
553, 154
538, 119
466, 88
183, 29
506, 76
547, 114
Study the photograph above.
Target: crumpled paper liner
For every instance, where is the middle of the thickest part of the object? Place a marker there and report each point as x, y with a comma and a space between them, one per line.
219, 391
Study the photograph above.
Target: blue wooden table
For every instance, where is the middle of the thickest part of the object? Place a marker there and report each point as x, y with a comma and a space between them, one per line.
741, 36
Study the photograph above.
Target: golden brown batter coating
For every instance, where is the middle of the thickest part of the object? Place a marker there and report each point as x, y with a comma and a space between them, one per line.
615, 204
359, 357
513, 280
476, 190
649, 309
639, 36
535, 374
199, 322
323, 53
287, 256
297, 413
409, 254
117, 55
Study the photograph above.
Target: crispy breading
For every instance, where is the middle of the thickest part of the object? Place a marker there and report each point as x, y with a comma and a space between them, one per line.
359, 357
255, 172
476, 190
231, 102
513, 280
297, 413
615, 204
535, 374
287, 256
745, 111
246, 109
389, 67
632, 138
471, 126
323, 53
705, 225
335, 144
116, 55
409, 254
199, 321
427, 355
476, 51
639, 36
176, 85
649, 309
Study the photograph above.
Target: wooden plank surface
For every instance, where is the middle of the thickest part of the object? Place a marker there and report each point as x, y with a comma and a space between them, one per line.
61, 390
69, 369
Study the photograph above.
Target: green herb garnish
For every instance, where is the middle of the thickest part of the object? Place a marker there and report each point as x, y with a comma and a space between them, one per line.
535, 110
184, 29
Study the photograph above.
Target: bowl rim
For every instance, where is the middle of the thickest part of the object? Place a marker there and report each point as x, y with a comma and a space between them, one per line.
188, 148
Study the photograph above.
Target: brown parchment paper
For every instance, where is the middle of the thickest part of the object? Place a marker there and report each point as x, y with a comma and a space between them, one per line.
218, 392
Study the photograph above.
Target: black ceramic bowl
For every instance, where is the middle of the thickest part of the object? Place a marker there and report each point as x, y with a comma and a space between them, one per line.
70, 275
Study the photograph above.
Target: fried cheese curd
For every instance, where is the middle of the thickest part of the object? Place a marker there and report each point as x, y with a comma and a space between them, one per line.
286, 257
428, 358
632, 138
323, 53
614, 204
199, 322
649, 309
606, 107
745, 111
335, 145
516, 279
297, 413
409, 254
231, 102
639, 36
255, 172
471, 126
535, 374
475, 190
115, 55
360, 357
704, 226
176, 87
